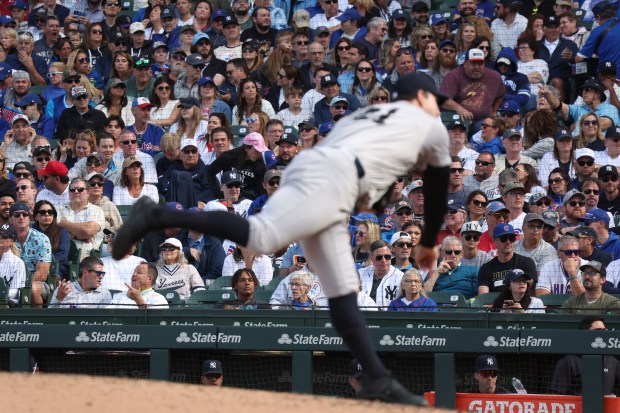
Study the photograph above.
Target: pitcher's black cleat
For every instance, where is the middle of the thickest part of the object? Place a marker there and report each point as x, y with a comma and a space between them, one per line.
388, 389
135, 227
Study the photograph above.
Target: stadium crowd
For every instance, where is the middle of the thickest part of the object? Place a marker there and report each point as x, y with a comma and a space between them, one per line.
201, 105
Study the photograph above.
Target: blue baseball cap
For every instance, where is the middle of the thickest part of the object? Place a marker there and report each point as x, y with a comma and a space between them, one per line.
437, 18
503, 229
200, 36
455, 205
204, 80
349, 14
5, 70
218, 13
326, 127
28, 100
447, 42
365, 216
595, 215
398, 14
270, 159
4, 20
20, 4
495, 206
510, 106
174, 206
514, 275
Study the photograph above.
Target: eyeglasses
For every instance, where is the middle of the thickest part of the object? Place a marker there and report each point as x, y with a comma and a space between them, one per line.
274, 182
486, 125
575, 204
42, 159
549, 228
484, 163
535, 225
52, 74
296, 284
500, 215
343, 48
340, 107
487, 374
590, 123
113, 4
72, 81
95, 31
364, 69
556, 180
302, 43
168, 248
590, 191
570, 253
305, 129
330, 1
471, 237
22, 175
401, 213
233, 185
120, 43
426, 37
95, 184
93, 164
591, 274
360, 233
609, 178
48, 212
22, 187
456, 170
543, 203
386, 257
508, 114
479, 203
585, 163
74, 189
450, 51
129, 142
505, 238
484, 47
20, 215
83, 60
163, 88
281, 76
380, 99
190, 151
250, 120
81, 97
404, 244
452, 252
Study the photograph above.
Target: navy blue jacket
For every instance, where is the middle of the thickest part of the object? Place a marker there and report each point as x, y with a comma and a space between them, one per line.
212, 258
558, 66
321, 108
517, 84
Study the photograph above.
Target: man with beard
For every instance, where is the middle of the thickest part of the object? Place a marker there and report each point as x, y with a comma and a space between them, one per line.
464, 9
457, 192
476, 91
172, 32
287, 144
588, 251
484, 177
177, 64
44, 47
609, 199
271, 183
419, 12
213, 67
20, 88
507, 26
261, 31
574, 203
241, 10
446, 61
593, 299
532, 245
7, 199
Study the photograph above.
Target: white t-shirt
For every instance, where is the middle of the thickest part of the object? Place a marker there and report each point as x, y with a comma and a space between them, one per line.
261, 266
123, 197
117, 273
150, 297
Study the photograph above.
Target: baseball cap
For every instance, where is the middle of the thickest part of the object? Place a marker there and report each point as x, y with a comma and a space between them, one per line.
551, 21
328, 80
600, 7
188, 27
291, 138
510, 106
446, 43
419, 6
595, 215
607, 66
584, 230
596, 265
20, 117
157, 45
230, 20
495, 206
613, 132
486, 362
365, 216
301, 18
7, 229
5, 70
455, 124
562, 133
54, 168
168, 12
116, 82
308, 123
398, 235
511, 186
200, 36
337, 99
418, 183
537, 197
455, 205
503, 229
510, 132
532, 216
398, 14
212, 367
270, 159
571, 194
189, 142
188, 102
19, 4
355, 369
94, 175
130, 160
608, 170
42, 149
255, 140
474, 55
471, 226
19, 206
141, 103
178, 51
215, 206
584, 152
326, 127
229, 177
78, 91
594, 84
551, 218
436, 19
23, 165
204, 80
136, 27
141, 61
115, 36
321, 30
408, 86
272, 173
174, 206
401, 205
172, 241
68, 74
97, 155
352, 14
195, 59
564, 3
4, 20
218, 14
123, 21
514, 275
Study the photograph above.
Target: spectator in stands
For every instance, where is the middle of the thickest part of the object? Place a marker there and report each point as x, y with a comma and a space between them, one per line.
122, 66
140, 293
141, 83
55, 177
491, 275
210, 101
551, 228
212, 374
512, 142
331, 89
7, 199
603, 45
150, 244
567, 376
204, 252
558, 52
450, 274
165, 111
148, 134
598, 220
287, 149
271, 183
174, 272
412, 296
249, 101
610, 195
454, 220
190, 124
24, 61
86, 292
486, 375
593, 299
590, 188
457, 132
129, 147
402, 213
244, 282
381, 280
80, 116
584, 166
96, 183
262, 30
563, 276
115, 102
402, 246
516, 297
574, 203
590, 134
309, 133
457, 191
559, 184
587, 246
490, 137
26, 192
404, 63
470, 238
301, 283
458, 82
532, 245
367, 232
13, 270
132, 186
514, 199
118, 272
45, 217
494, 213
16, 144
32, 106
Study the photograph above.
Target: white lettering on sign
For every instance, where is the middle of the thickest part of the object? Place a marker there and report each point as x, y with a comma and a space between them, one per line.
529, 341
19, 337
111, 337
505, 406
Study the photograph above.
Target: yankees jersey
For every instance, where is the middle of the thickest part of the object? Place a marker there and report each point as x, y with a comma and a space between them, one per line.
410, 137
184, 279
389, 287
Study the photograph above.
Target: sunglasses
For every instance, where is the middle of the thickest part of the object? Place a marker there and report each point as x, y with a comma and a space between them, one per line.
585, 163
364, 69
487, 374
193, 151
343, 48
401, 213
535, 226
549, 228
571, 253
609, 178
341, 107
81, 97
233, 185
484, 47
590, 191
386, 257
74, 190
22, 187
360, 233
83, 60
21, 215
52, 74
426, 37
163, 88
47, 159
504, 238
556, 180
180, 56
484, 163
48, 212
130, 142
404, 244
575, 204
543, 203
456, 170
248, 50
274, 182
165, 248
72, 81
479, 203
450, 51
250, 120
305, 129
380, 99
471, 237
508, 114
113, 4
95, 31
93, 164
590, 123
301, 43
95, 183
486, 125
452, 252
22, 175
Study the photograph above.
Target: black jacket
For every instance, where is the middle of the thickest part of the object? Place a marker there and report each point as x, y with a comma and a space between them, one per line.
251, 173
70, 119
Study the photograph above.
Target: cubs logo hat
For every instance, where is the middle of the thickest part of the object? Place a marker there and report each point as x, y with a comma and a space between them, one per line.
494, 207
503, 229
510, 106
595, 215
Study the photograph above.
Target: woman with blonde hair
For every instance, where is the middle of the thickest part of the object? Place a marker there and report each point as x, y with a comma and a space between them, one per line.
8, 39
590, 133
420, 37
190, 124
412, 295
257, 122
387, 56
366, 8
79, 61
170, 145
54, 77
85, 143
367, 232
379, 96
465, 36
175, 272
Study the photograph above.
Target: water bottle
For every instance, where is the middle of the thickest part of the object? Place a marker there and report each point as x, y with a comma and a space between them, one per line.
518, 386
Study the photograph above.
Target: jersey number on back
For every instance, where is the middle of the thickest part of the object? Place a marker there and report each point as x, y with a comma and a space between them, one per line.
374, 115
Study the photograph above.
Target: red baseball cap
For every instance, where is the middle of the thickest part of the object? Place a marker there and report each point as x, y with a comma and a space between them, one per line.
54, 168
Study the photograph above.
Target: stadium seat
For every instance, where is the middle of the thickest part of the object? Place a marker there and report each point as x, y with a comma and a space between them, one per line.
580, 13
263, 295
124, 210
588, 25
114, 292
222, 283
74, 253
4, 293
37, 89
25, 293
239, 132
209, 297
483, 300
172, 297
447, 301
554, 300
273, 284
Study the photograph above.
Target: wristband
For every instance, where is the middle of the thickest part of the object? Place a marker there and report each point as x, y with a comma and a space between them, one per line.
573, 278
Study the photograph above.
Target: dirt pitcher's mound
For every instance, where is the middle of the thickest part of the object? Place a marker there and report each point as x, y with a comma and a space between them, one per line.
72, 393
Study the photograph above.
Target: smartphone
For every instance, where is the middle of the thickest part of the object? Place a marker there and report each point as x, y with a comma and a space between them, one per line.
299, 259
222, 91
509, 303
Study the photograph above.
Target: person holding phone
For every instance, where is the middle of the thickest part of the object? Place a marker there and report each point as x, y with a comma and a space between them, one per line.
516, 297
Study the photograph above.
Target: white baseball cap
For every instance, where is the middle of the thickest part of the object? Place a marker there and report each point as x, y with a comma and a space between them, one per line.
189, 142
580, 153
398, 235
471, 227
172, 241
136, 27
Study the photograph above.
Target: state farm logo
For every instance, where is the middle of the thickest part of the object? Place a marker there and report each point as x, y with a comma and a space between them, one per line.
285, 339
527, 341
197, 337
111, 337
386, 340
183, 338
490, 342
82, 337
598, 343
310, 339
